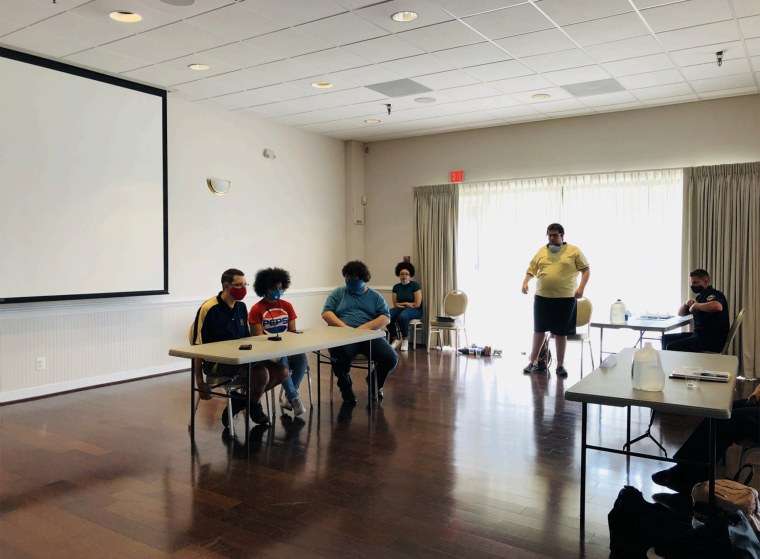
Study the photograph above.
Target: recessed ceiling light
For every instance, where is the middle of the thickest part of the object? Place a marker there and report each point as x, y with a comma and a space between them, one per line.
372, 121
125, 17
404, 17
199, 67
322, 85
540, 96
179, 2
425, 100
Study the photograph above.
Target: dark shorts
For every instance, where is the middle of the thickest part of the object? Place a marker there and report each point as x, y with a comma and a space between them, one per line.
555, 315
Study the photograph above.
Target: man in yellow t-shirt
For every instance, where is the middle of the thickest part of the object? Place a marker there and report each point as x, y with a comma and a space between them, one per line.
555, 267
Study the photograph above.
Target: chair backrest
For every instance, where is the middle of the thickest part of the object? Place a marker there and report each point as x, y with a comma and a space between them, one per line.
732, 331
455, 303
583, 315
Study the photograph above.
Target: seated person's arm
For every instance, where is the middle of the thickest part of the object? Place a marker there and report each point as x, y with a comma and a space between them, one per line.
709, 306
332, 319
683, 310
376, 323
256, 329
395, 302
195, 364
291, 326
755, 396
417, 299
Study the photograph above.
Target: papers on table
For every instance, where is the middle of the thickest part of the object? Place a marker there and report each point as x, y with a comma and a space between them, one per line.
700, 374
650, 316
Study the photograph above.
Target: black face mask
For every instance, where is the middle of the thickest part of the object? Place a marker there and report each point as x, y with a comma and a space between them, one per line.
697, 288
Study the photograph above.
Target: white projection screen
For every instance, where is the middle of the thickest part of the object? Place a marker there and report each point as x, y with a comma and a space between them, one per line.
83, 183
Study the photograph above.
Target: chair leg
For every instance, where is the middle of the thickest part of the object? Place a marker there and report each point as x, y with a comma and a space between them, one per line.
308, 378
229, 414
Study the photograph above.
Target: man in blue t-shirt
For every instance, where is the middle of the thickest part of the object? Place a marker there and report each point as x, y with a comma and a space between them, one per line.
357, 306
711, 323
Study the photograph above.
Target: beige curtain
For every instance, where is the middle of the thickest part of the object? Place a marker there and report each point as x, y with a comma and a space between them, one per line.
722, 235
436, 212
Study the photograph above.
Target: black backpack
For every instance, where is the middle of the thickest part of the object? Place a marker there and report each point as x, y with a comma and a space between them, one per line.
544, 355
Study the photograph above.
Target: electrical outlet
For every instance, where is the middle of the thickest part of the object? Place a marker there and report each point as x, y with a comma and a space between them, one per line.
41, 363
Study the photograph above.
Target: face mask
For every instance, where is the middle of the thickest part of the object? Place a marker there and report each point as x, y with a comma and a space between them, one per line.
274, 294
404, 282
697, 288
355, 286
554, 248
238, 293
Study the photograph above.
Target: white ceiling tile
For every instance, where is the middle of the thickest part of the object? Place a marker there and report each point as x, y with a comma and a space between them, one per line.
241, 99
31, 39
200, 89
25, 12
242, 55
159, 75
368, 75
235, 23
608, 29
342, 29
750, 26
746, 8
340, 98
103, 59
652, 63
563, 60
555, 105
620, 107
686, 14
180, 65
499, 70
733, 92
305, 86
650, 79
443, 80
383, 49
311, 117
724, 31
706, 54
381, 12
91, 31
524, 83
557, 93
331, 60
509, 21
181, 38
144, 48
283, 71
577, 75
609, 99
481, 53
464, 8
354, 111
417, 65
625, 48
441, 36
753, 46
99, 10
475, 91
288, 42
285, 91
655, 99
663, 91
275, 109
712, 70
294, 12
540, 42
564, 12
182, 12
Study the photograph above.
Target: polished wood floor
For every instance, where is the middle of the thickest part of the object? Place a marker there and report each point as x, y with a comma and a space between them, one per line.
465, 458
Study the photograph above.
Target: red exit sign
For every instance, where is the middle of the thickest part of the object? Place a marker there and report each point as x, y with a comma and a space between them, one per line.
456, 176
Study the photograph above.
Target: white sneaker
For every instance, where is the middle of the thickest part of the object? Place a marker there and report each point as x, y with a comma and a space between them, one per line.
405, 345
395, 344
284, 402
297, 407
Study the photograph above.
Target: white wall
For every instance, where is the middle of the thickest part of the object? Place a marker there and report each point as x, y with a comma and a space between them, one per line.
287, 212
692, 134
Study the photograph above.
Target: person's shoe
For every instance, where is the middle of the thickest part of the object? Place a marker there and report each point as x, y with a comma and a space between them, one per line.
238, 404
405, 345
284, 402
676, 478
396, 344
297, 407
531, 368
348, 395
561, 371
258, 416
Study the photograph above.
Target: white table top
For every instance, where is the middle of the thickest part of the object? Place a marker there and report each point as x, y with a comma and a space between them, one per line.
646, 324
614, 386
312, 339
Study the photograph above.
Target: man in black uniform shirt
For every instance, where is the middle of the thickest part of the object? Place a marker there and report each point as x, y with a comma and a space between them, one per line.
711, 323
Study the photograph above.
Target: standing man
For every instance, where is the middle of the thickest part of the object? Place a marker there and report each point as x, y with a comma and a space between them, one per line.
225, 317
555, 267
357, 306
710, 312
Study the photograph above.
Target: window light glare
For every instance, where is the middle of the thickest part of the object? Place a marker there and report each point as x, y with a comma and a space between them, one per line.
372, 121
199, 67
125, 17
322, 85
404, 17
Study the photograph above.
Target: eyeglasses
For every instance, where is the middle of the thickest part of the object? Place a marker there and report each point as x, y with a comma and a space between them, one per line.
550, 235
239, 285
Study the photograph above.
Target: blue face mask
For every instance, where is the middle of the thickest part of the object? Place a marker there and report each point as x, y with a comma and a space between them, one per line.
274, 294
554, 248
355, 286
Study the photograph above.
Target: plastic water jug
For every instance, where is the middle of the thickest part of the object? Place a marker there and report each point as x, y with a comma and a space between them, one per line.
617, 312
647, 369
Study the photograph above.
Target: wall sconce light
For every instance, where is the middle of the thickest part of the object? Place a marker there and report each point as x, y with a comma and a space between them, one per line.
218, 186
269, 154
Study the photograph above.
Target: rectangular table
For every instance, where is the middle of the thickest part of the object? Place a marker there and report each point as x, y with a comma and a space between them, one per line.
614, 387
642, 325
229, 352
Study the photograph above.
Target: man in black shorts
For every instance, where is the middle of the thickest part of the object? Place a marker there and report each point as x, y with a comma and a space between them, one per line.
555, 267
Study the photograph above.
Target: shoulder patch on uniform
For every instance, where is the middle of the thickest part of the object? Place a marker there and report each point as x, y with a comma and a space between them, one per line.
710, 297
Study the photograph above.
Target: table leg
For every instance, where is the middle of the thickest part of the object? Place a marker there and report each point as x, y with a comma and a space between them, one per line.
248, 410
584, 412
192, 402
712, 459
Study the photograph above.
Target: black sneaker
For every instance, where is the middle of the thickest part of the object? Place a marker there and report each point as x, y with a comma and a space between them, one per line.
348, 395
561, 371
531, 368
679, 479
238, 404
258, 416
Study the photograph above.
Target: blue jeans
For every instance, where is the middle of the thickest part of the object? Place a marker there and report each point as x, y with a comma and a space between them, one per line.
383, 355
401, 317
297, 365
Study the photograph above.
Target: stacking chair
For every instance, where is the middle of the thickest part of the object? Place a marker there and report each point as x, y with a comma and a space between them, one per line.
582, 321
454, 307
732, 332
360, 361
414, 324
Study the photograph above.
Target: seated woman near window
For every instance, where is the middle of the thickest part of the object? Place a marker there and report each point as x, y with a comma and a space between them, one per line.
407, 305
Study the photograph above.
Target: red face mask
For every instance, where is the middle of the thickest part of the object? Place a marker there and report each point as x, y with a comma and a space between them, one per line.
238, 293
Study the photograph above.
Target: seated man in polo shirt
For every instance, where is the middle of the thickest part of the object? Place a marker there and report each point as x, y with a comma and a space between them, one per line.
225, 317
